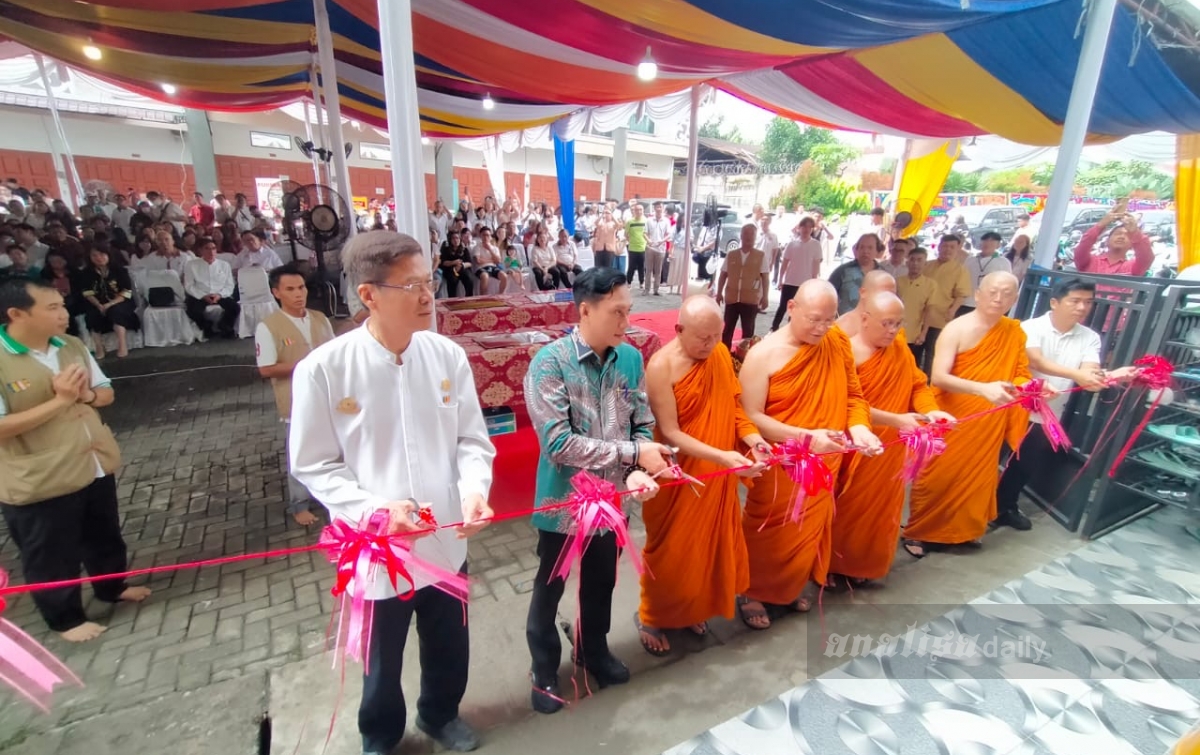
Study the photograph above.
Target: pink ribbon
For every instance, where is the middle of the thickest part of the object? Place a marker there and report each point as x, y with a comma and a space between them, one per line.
805, 468
922, 445
358, 554
28, 667
595, 506
1154, 373
1031, 398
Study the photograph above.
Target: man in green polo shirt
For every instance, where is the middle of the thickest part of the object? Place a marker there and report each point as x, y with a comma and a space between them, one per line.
58, 492
635, 241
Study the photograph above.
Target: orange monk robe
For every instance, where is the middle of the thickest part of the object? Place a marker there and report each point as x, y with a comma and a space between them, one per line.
695, 554
870, 493
955, 497
817, 389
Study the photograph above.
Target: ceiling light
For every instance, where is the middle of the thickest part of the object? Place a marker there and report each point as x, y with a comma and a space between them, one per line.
647, 70
91, 52
488, 102
168, 88
425, 140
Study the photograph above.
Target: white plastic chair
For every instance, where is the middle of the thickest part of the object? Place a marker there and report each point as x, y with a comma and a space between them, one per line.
256, 299
166, 326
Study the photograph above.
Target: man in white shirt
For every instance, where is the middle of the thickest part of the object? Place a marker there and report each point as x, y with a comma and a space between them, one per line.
243, 216
801, 262
165, 257
121, 215
27, 238
384, 417
768, 244
658, 232
255, 254
1064, 353
281, 340
989, 260
208, 281
165, 209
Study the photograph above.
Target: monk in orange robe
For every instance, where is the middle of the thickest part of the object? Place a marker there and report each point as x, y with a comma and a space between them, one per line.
979, 359
870, 492
799, 382
695, 554
874, 282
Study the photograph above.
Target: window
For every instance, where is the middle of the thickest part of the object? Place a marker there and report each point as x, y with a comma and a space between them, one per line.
380, 152
644, 126
270, 141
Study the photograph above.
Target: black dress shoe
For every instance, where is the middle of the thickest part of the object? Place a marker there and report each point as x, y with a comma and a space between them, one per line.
609, 670
545, 697
1014, 519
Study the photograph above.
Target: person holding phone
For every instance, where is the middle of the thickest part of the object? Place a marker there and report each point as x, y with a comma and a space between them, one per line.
1115, 260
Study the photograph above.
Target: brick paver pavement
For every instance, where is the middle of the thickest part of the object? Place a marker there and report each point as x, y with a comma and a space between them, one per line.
203, 453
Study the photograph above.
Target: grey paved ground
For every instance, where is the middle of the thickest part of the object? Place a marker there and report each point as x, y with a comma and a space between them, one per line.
203, 452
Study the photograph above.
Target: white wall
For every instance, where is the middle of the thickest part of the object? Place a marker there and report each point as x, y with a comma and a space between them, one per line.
94, 136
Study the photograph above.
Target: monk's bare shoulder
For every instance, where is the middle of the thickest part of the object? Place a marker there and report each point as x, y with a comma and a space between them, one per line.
769, 355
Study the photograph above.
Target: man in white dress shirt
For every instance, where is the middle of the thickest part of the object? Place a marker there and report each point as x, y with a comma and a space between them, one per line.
208, 281
658, 232
255, 254
383, 417
1064, 353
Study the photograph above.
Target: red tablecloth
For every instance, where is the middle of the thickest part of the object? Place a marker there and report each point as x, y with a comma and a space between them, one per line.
499, 363
484, 314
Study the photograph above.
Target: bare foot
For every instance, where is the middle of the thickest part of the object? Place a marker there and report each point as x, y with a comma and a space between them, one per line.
304, 518
753, 613
134, 594
804, 603
85, 632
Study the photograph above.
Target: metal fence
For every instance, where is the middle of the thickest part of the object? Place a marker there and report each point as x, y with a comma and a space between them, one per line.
1132, 316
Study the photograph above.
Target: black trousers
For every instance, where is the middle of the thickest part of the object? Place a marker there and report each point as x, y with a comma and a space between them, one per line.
445, 656
455, 279
604, 258
786, 294
229, 314
597, 578
637, 264
925, 362
734, 312
547, 279
565, 270
1035, 452
58, 535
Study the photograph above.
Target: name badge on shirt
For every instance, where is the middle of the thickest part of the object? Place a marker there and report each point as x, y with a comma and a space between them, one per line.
18, 385
348, 406
446, 385
288, 341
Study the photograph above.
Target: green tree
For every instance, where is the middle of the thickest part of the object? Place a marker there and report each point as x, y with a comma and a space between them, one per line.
1042, 174
1118, 179
962, 183
1008, 181
788, 142
714, 128
812, 188
833, 158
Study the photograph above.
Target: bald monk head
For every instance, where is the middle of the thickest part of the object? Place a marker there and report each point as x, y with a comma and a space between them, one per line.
699, 328
874, 282
997, 294
881, 318
813, 311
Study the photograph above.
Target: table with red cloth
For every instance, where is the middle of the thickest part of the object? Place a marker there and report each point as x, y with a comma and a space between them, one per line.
499, 361
504, 314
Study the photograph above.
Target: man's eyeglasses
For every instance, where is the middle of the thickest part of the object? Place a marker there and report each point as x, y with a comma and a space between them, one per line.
429, 285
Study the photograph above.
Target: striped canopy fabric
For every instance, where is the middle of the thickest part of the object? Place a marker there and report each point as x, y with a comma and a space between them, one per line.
919, 68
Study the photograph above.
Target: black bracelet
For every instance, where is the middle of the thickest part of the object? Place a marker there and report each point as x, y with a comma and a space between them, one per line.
630, 470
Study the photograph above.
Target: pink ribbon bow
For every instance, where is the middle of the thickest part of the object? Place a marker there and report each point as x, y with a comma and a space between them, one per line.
1032, 399
805, 468
1153, 372
26, 666
921, 445
358, 554
593, 507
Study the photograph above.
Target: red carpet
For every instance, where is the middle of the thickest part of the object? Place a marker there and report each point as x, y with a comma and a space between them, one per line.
514, 474
663, 323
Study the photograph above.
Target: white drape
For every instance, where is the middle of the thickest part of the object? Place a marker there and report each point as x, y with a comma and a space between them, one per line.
493, 161
996, 153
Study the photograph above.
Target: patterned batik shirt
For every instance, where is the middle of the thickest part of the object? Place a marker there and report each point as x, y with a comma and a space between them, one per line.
589, 414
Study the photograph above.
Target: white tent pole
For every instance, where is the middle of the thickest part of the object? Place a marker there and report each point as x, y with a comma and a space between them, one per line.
1079, 112
898, 177
322, 133
690, 199
404, 122
64, 180
308, 134
333, 103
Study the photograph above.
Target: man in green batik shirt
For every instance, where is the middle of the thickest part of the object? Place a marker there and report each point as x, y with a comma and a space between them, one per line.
586, 396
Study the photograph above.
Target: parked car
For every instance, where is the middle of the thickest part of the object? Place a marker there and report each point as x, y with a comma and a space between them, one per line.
981, 219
